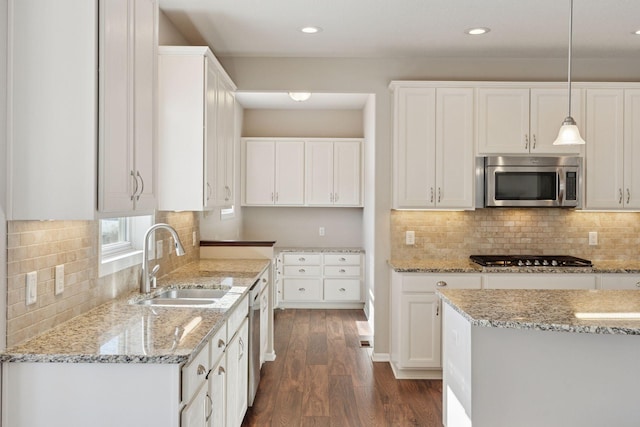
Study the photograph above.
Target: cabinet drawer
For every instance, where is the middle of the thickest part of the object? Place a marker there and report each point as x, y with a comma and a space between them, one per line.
417, 282
237, 316
217, 344
302, 290
301, 259
195, 374
346, 270
342, 290
340, 259
302, 270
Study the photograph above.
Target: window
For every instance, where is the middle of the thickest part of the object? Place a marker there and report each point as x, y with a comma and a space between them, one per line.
121, 241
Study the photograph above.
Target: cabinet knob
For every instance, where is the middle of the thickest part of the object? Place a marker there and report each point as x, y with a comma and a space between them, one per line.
342, 259
221, 343
221, 370
342, 270
441, 284
302, 270
264, 280
302, 259
201, 370
342, 290
302, 290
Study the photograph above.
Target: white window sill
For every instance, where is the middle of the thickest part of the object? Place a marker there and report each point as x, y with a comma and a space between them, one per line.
119, 262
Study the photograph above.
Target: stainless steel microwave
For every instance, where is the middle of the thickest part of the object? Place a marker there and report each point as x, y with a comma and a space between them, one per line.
532, 181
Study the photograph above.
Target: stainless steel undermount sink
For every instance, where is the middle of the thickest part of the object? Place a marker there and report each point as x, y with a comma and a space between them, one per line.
185, 297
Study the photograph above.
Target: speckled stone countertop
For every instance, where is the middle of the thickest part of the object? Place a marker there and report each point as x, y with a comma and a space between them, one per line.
549, 310
120, 332
464, 265
322, 250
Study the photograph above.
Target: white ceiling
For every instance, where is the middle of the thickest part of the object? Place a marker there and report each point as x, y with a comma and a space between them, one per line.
408, 28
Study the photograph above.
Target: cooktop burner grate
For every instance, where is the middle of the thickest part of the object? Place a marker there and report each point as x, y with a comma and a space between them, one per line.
530, 261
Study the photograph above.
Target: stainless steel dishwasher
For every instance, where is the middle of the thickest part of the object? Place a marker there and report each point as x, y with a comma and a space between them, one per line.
254, 341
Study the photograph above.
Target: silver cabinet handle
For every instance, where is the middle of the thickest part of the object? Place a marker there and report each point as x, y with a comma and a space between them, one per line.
210, 407
438, 309
526, 142
276, 196
201, 370
227, 193
302, 259
221, 343
439, 194
620, 196
431, 201
342, 290
534, 141
302, 290
342, 259
142, 187
135, 180
208, 191
273, 197
221, 370
264, 280
342, 270
628, 196
302, 270
441, 284
637, 284
241, 342
335, 197
331, 197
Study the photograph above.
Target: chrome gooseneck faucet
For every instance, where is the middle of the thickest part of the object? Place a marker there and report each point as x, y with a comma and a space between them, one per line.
146, 276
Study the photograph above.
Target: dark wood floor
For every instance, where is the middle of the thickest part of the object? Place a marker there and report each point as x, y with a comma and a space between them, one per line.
322, 376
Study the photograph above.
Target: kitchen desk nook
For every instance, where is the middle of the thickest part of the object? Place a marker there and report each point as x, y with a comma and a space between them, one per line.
130, 363
540, 358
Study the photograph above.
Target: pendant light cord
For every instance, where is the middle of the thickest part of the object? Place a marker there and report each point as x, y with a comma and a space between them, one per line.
570, 44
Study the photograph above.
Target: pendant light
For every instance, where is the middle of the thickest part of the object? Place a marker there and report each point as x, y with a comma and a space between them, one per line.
569, 133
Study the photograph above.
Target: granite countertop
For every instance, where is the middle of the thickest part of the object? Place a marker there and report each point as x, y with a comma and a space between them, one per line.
321, 250
607, 311
464, 265
120, 332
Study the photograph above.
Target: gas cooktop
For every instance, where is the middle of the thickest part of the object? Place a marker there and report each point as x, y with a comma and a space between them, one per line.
530, 261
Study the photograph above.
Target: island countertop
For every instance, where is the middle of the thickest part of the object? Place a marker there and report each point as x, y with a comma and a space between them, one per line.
120, 332
579, 311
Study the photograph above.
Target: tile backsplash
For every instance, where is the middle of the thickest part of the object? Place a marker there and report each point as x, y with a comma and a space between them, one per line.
444, 235
41, 245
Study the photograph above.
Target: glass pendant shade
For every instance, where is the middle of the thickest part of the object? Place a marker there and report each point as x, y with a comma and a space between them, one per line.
569, 133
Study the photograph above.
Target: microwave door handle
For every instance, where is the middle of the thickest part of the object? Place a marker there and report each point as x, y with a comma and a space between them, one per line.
561, 186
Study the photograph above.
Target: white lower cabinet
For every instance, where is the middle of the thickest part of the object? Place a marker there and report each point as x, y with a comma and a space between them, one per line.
620, 281
319, 279
237, 376
540, 281
416, 320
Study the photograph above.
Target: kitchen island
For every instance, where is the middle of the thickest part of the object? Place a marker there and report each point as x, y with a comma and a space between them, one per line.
540, 358
130, 364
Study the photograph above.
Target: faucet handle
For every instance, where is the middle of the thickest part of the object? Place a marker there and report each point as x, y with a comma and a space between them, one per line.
152, 275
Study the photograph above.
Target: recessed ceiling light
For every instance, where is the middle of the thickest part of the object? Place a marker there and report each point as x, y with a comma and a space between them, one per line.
300, 96
310, 30
477, 31
637, 32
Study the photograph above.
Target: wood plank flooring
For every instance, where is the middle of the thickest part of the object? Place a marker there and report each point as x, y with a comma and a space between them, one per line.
323, 377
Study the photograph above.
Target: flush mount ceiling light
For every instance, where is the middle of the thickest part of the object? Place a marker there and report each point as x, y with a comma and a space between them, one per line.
300, 96
477, 31
569, 133
310, 30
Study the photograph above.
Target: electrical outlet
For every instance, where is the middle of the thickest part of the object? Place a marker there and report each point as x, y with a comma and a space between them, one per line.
59, 281
410, 238
172, 244
159, 249
32, 287
321, 231
593, 238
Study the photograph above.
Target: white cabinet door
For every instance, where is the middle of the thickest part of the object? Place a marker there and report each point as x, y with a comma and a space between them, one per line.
503, 120
414, 147
237, 376
631, 149
549, 107
454, 159
347, 173
421, 330
289, 173
217, 393
225, 128
194, 413
620, 281
52, 91
604, 149
209, 140
319, 165
259, 172
127, 90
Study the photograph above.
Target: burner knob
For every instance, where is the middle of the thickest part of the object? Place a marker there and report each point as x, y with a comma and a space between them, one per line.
545, 262
536, 262
520, 263
528, 262
554, 263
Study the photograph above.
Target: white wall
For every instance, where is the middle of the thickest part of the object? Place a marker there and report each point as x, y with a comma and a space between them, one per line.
303, 123
168, 34
368, 216
3, 168
351, 75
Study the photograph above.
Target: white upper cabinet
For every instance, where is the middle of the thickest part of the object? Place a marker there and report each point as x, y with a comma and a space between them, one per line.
433, 148
128, 40
52, 99
523, 120
333, 173
613, 149
196, 125
273, 172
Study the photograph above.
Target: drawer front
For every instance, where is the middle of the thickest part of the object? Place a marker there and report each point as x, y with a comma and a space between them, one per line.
340, 271
236, 318
342, 259
217, 345
342, 290
301, 259
302, 271
195, 374
302, 290
430, 283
